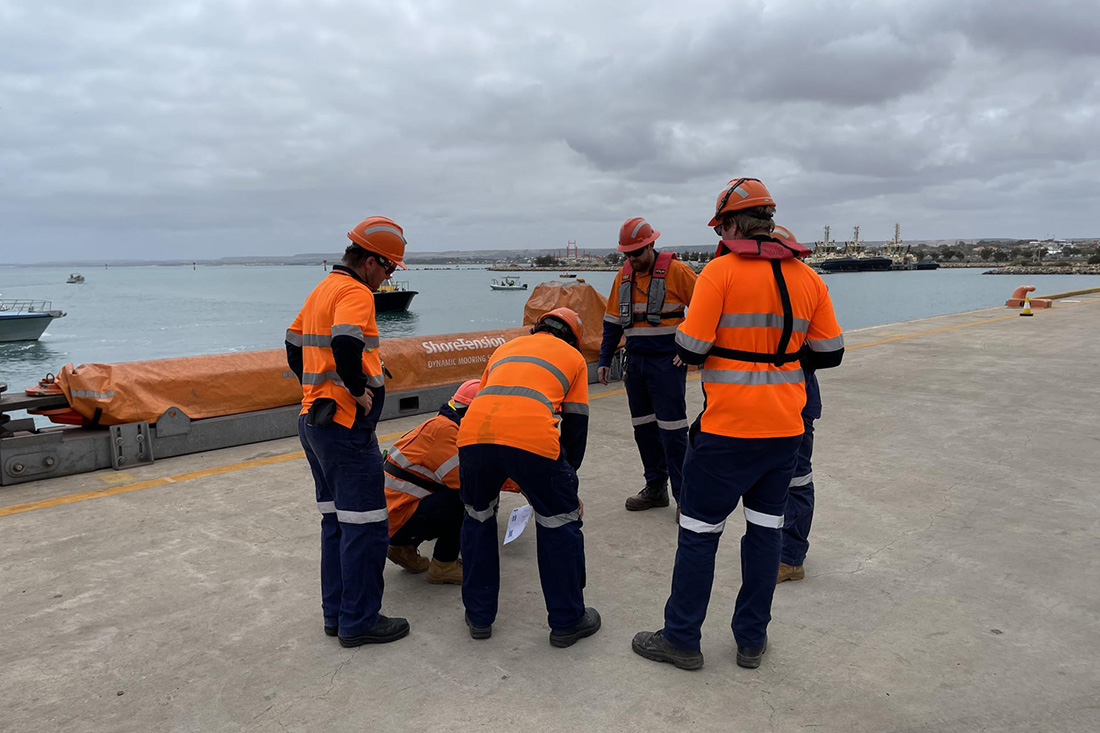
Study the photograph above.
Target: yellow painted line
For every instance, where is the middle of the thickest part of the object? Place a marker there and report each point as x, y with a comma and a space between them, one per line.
284, 457
31, 506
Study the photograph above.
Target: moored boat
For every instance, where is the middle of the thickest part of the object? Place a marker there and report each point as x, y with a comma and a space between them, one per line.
507, 283
393, 296
26, 320
75, 279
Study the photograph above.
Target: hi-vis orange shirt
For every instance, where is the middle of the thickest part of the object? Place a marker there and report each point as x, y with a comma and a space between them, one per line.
737, 306
527, 384
340, 305
423, 460
670, 303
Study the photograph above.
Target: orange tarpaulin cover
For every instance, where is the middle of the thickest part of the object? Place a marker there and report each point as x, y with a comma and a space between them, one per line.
227, 384
581, 297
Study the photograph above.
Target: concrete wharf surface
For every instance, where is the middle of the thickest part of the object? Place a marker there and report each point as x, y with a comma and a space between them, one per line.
952, 583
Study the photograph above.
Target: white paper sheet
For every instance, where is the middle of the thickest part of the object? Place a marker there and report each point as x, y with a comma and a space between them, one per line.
517, 522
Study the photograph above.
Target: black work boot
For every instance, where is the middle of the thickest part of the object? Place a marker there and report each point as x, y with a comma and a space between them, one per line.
589, 624
749, 656
385, 630
655, 494
653, 645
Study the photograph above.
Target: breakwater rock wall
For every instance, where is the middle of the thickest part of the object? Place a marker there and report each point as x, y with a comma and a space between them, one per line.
1080, 269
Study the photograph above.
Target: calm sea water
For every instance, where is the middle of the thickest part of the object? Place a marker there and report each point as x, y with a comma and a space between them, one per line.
130, 313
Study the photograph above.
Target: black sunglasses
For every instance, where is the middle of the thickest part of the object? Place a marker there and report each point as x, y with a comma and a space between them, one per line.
387, 265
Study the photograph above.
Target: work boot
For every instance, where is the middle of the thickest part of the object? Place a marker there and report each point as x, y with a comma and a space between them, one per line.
653, 645
749, 656
589, 624
332, 630
445, 572
655, 494
479, 632
789, 572
385, 630
407, 557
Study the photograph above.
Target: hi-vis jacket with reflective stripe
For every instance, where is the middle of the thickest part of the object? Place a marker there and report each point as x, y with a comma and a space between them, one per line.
738, 306
528, 384
422, 461
341, 307
647, 297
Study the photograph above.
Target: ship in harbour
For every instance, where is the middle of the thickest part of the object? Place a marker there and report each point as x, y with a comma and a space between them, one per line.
828, 256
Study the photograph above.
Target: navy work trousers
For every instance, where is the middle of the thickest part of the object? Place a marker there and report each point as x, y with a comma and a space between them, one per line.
655, 391
347, 472
438, 517
800, 501
718, 472
551, 487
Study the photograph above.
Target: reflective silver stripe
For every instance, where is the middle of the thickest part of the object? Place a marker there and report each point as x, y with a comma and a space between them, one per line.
672, 424
834, 344
484, 514
802, 480
739, 376
320, 340
760, 320
371, 342
533, 394
608, 318
577, 408
326, 507
692, 344
294, 339
89, 394
376, 380
650, 331
399, 458
375, 515
446, 467
396, 484
548, 366
315, 378
557, 520
669, 306
694, 525
772, 521
637, 228
347, 329
384, 228
644, 419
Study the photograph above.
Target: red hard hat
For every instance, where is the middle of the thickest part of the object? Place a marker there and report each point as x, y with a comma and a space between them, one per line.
635, 234
381, 235
466, 392
569, 317
741, 193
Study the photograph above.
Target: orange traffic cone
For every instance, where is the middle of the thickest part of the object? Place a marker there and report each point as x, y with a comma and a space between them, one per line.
1027, 306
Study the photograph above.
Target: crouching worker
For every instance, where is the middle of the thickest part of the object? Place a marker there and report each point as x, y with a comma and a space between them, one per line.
511, 432
422, 492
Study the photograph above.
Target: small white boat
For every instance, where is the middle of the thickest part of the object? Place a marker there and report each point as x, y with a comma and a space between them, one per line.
507, 283
25, 320
568, 274
75, 279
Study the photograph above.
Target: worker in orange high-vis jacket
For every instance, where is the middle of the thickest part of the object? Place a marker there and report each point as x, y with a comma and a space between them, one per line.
530, 385
422, 491
333, 348
653, 290
758, 318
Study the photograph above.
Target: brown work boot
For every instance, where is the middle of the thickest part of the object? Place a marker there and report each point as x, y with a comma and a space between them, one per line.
407, 557
655, 494
445, 572
789, 572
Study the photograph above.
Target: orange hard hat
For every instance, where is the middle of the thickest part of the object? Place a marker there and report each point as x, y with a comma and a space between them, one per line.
466, 392
741, 193
381, 235
783, 233
635, 234
566, 316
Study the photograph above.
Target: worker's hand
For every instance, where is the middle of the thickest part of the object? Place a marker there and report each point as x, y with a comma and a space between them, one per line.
677, 361
366, 400
603, 374
580, 509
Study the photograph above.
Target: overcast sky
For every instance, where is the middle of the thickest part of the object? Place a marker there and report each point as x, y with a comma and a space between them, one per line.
194, 128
